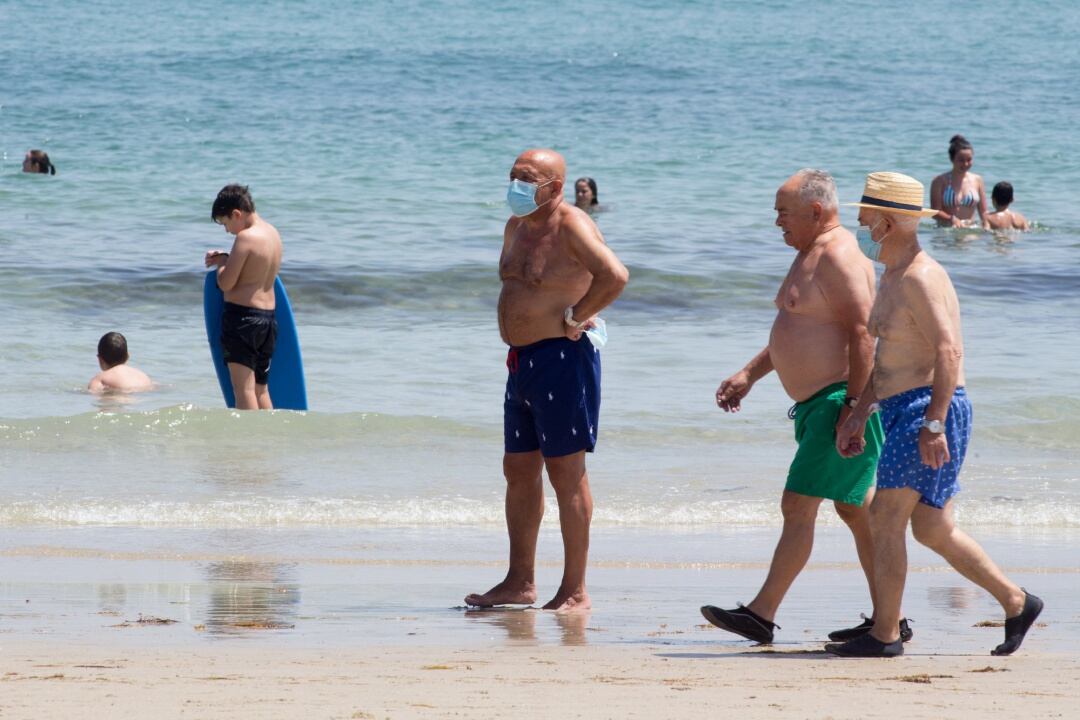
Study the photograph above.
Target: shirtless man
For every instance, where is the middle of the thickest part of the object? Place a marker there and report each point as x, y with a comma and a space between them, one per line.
818, 347
116, 375
557, 274
246, 274
918, 380
1004, 218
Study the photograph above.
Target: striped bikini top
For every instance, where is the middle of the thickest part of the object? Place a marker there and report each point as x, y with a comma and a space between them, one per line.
950, 200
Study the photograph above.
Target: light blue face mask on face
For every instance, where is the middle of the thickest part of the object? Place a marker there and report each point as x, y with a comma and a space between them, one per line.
521, 197
869, 248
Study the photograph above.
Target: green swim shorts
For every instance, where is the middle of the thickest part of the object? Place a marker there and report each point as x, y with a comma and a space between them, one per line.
818, 470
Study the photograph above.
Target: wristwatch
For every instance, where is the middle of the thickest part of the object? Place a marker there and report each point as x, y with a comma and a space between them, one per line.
935, 426
568, 318
851, 401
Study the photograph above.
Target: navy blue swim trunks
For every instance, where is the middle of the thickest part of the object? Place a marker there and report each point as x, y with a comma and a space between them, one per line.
552, 397
248, 336
900, 464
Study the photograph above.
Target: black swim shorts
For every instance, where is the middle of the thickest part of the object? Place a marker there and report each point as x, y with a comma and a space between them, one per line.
247, 338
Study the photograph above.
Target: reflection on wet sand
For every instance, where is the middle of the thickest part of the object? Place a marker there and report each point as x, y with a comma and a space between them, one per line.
954, 599
111, 598
246, 596
522, 623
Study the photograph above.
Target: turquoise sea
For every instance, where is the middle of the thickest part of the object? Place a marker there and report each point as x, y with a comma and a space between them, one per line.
378, 138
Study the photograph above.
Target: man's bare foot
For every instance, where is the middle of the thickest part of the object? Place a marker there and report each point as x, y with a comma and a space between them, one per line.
505, 593
569, 601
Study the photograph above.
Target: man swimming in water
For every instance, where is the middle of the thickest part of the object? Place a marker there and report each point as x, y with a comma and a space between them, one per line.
1004, 218
116, 375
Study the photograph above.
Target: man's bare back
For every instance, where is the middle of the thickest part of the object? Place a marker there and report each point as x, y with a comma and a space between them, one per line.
911, 298
808, 344
247, 277
1007, 220
121, 378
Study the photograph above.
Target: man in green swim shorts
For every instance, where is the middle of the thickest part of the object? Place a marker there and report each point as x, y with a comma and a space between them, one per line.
819, 345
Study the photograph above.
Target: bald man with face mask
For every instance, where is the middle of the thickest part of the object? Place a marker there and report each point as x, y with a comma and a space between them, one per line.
557, 273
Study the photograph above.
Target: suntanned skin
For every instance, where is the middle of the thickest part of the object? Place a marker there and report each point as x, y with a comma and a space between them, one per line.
819, 337
246, 275
119, 378
963, 181
552, 259
916, 318
1005, 219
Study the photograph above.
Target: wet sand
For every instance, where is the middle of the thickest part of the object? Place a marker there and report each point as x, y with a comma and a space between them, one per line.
372, 633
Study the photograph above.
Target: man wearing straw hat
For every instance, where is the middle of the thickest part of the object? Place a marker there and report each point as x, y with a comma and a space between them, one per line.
822, 353
918, 382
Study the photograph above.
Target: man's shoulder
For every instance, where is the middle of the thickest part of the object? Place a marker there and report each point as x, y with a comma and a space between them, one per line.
575, 223
924, 274
259, 234
842, 254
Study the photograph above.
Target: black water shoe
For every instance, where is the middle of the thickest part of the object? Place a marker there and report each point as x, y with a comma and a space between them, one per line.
1016, 627
866, 645
865, 626
741, 621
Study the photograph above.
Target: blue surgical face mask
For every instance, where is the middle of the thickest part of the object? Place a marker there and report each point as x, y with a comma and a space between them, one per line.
869, 248
521, 197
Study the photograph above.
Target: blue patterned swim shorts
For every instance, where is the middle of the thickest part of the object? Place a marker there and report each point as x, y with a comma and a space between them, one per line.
900, 464
552, 401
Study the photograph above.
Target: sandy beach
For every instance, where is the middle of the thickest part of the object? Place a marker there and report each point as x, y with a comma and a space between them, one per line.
232, 638
649, 681
164, 556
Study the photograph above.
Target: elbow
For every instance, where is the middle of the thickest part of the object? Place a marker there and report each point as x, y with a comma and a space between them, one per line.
620, 277
952, 354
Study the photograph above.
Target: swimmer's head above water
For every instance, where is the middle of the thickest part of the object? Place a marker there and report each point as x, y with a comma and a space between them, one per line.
37, 161
112, 350
585, 193
961, 153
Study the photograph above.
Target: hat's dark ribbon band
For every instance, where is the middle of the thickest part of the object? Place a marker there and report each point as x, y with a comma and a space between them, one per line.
867, 200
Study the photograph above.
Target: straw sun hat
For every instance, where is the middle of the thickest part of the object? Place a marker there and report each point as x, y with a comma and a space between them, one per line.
893, 192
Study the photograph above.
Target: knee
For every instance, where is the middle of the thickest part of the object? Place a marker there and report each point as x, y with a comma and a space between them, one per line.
886, 521
932, 535
522, 468
850, 514
798, 509
567, 471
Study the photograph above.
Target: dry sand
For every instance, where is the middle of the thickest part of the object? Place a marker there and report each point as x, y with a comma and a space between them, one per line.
259, 680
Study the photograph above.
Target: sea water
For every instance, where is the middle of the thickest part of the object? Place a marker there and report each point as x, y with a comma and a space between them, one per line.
378, 138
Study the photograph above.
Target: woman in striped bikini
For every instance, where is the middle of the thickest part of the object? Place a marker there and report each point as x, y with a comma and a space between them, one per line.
959, 193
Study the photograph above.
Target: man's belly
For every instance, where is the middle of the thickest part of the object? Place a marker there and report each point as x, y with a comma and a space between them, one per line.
528, 314
807, 354
899, 367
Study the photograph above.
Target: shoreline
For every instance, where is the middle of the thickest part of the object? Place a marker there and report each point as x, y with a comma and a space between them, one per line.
98, 598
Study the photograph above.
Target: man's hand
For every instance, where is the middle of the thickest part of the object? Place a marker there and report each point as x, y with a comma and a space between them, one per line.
933, 449
731, 392
216, 258
849, 435
574, 333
